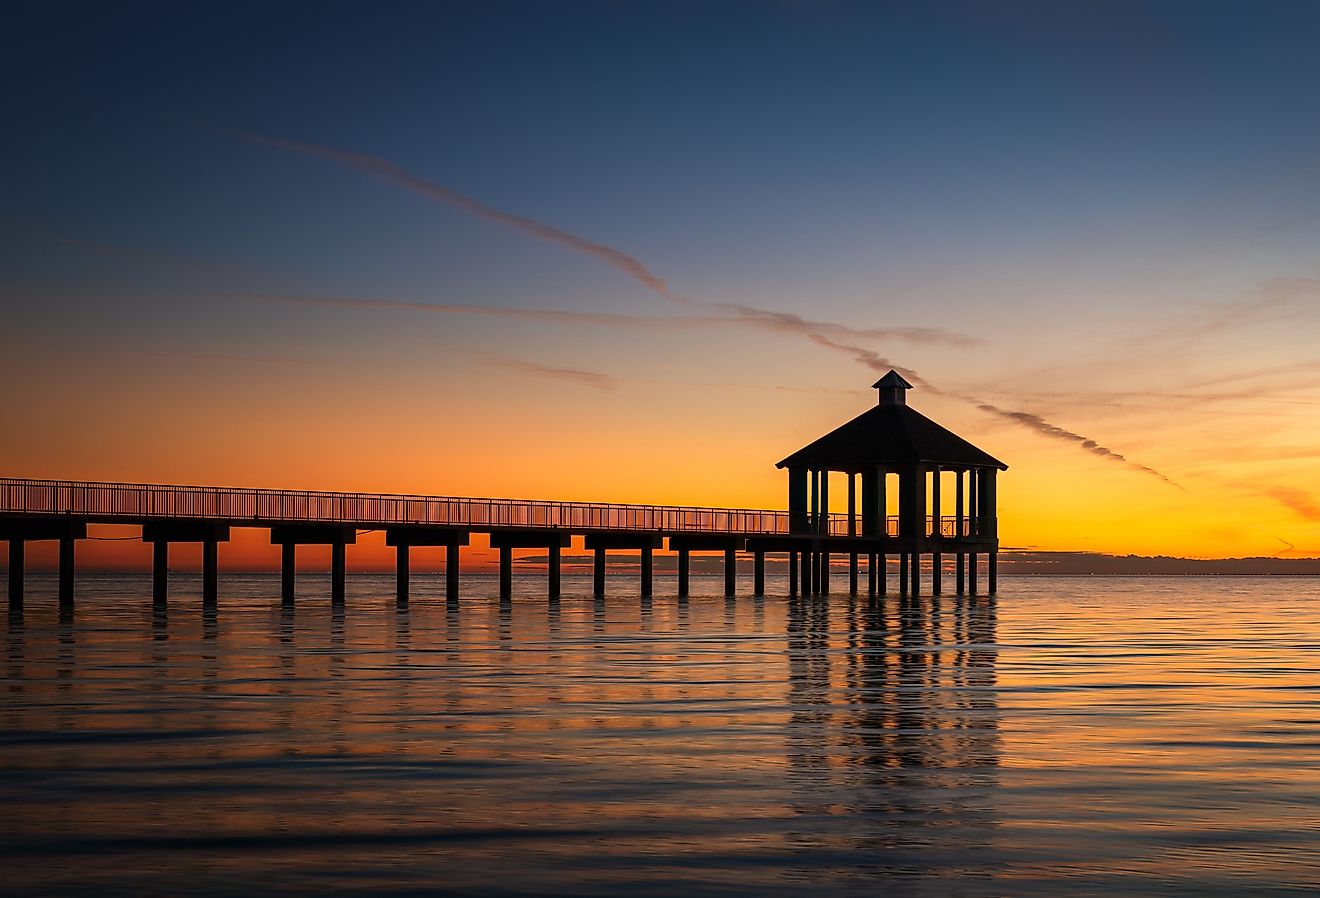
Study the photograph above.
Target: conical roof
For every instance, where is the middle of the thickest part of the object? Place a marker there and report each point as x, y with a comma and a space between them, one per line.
892, 379
888, 435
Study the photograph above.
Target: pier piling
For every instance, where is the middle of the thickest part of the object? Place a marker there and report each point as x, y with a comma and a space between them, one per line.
15, 574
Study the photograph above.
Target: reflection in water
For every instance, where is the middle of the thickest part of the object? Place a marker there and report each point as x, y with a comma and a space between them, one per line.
896, 733
1066, 739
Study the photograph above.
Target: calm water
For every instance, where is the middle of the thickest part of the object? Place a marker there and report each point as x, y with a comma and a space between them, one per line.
1073, 737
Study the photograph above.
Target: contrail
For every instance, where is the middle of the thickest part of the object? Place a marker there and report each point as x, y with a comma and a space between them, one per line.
582, 376
615, 258
772, 321
1040, 425
820, 332
388, 171
879, 363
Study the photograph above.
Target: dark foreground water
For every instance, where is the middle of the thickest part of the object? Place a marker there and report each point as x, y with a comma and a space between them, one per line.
1072, 737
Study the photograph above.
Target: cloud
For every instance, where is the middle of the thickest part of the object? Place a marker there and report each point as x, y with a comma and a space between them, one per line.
826, 334
874, 361
825, 331
879, 363
389, 171
556, 315
609, 255
1303, 503
583, 377
1041, 426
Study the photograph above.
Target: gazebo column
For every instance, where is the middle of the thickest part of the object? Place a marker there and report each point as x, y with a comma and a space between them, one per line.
852, 531
903, 573
916, 573
815, 501
990, 526
912, 507
824, 573
937, 534
971, 572
792, 572
973, 501
824, 503
870, 574
798, 508
959, 506
806, 573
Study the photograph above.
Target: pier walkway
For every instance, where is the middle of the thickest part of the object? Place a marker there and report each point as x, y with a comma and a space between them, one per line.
62, 510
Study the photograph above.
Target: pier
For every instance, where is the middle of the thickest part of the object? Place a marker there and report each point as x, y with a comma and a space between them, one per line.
889, 456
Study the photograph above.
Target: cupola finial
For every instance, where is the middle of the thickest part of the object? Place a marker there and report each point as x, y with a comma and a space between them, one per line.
893, 389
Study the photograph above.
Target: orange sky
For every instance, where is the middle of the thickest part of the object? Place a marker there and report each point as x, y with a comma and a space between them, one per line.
533, 284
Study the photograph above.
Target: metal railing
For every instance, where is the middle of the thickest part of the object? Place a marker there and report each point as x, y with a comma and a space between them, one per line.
949, 526
135, 502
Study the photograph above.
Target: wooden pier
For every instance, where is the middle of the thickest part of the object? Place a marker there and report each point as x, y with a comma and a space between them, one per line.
890, 450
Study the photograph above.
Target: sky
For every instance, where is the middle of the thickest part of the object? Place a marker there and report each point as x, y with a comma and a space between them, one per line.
640, 252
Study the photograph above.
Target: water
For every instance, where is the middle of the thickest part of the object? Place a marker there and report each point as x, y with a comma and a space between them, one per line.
1087, 736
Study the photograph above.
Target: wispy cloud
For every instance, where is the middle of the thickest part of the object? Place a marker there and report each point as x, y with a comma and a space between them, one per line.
826, 334
1305, 504
597, 380
825, 331
880, 364
609, 255
550, 315
395, 174
1041, 426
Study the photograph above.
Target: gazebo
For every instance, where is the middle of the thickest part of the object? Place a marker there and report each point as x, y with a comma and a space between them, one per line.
901, 458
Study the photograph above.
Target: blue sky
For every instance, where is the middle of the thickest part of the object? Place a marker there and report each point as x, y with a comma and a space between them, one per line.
1062, 182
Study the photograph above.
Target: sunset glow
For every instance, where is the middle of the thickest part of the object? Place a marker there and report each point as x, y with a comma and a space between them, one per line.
304, 288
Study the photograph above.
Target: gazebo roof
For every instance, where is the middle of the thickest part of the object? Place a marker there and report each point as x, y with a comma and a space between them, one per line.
889, 433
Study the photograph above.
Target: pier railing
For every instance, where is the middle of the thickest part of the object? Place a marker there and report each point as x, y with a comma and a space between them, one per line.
135, 502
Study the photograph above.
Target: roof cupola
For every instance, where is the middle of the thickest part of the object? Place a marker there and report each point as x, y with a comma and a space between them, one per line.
893, 389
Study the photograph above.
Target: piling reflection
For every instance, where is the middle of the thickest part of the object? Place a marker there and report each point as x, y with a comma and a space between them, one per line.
894, 730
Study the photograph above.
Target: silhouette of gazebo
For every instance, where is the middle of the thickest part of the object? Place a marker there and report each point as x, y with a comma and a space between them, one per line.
892, 446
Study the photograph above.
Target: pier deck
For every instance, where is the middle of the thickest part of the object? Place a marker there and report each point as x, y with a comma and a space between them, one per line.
62, 510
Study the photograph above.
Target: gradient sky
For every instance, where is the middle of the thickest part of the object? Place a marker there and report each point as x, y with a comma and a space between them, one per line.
553, 250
